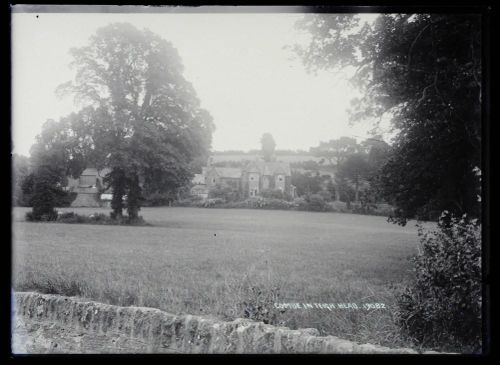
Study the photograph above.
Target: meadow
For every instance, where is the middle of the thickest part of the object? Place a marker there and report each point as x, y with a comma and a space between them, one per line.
228, 263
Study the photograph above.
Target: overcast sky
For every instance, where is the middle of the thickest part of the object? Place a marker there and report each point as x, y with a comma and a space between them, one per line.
237, 63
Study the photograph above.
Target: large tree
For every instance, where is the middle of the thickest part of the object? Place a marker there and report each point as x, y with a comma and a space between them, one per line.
356, 169
140, 116
267, 146
335, 152
51, 162
424, 71
20, 173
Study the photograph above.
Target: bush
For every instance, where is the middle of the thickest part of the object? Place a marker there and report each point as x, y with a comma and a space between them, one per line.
275, 204
272, 194
326, 195
225, 193
316, 203
442, 309
98, 218
213, 202
156, 199
338, 206
190, 201
41, 217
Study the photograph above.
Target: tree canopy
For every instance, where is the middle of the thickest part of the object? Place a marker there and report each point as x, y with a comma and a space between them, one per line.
139, 116
424, 71
267, 146
335, 151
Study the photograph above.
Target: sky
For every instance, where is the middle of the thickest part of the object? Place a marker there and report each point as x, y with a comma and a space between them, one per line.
238, 64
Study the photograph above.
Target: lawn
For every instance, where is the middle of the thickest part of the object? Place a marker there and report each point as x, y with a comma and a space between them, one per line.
227, 262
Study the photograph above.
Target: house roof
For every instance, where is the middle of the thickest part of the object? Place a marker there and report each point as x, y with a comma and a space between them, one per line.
228, 172
89, 171
92, 171
269, 168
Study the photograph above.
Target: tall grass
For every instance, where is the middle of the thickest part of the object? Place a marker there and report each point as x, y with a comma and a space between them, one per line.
236, 264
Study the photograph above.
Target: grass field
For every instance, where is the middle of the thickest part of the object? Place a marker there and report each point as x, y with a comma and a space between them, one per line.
216, 261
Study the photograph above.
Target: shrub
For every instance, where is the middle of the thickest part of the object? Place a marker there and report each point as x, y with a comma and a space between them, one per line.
300, 203
275, 204
259, 304
225, 193
272, 194
338, 206
98, 218
45, 194
443, 306
190, 201
326, 195
156, 199
316, 203
213, 202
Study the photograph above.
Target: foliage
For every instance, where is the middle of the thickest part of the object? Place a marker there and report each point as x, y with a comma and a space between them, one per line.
273, 203
355, 168
326, 195
443, 306
24, 197
225, 193
259, 304
335, 151
345, 190
268, 146
306, 182
98, 218
47, 191
141, 118
273, 194
157, 198
20, 172
315, 203
424, 72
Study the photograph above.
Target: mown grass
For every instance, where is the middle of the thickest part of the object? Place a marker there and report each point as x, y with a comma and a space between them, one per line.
215, 262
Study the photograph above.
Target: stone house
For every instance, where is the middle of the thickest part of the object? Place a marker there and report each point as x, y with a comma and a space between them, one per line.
255, 177
89, 188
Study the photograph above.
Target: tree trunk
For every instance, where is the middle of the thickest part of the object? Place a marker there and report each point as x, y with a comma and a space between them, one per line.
356, 196
134, 198
118, 185
337, 194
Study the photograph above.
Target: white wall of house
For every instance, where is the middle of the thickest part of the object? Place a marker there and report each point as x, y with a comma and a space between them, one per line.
279, 182
253, 183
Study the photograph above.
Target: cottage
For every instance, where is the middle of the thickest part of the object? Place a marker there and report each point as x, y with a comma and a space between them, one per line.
250, 181
89, 188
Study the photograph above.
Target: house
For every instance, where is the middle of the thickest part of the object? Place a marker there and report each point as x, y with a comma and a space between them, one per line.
89, 188
228, 177
250, 181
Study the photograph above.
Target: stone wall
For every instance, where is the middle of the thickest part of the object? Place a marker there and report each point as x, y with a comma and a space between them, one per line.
50, 324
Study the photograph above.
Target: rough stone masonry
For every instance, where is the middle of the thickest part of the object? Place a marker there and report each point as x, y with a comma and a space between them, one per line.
56, 324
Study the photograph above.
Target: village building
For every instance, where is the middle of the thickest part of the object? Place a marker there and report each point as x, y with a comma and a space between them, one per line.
250, 181
90, 189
